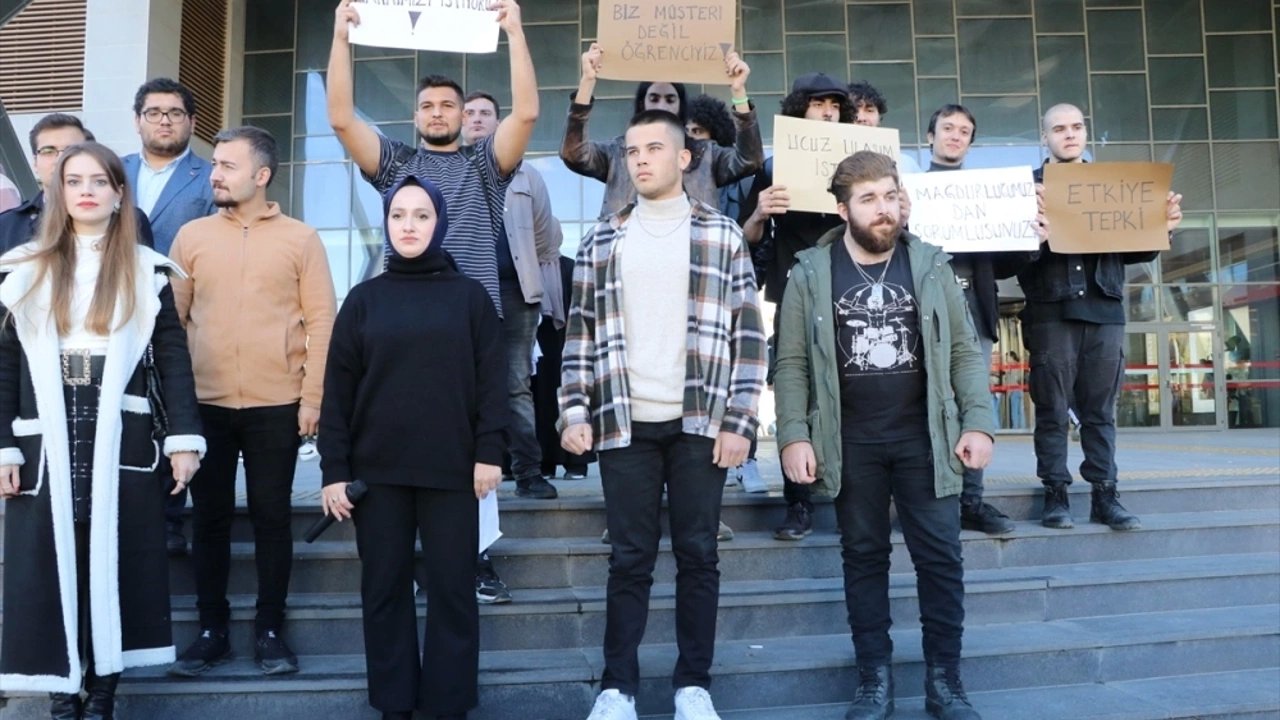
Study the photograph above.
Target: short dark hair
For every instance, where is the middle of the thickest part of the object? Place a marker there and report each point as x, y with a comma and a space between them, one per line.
643, 89
951, 109
795, 104
261, 143
863, 93
54, 121
713, 115
164, 86
482, 95
862, 166
661, 117
435, 81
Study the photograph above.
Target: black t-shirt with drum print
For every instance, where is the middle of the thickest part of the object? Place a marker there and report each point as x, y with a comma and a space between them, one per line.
879, 349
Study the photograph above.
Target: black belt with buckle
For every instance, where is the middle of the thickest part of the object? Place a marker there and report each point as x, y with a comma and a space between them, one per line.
81, 367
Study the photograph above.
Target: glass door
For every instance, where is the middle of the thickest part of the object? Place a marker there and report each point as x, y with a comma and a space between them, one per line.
1192, 382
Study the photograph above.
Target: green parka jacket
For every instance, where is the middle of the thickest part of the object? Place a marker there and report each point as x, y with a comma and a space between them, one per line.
807, 386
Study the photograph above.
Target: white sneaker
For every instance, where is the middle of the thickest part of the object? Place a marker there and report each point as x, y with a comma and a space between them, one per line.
694, 703
613, 705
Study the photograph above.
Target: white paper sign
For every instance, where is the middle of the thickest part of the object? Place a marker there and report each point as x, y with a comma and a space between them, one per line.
489, 532
974, 210
461, 26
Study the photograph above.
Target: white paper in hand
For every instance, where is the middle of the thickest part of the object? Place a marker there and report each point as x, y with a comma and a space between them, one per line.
460, 26
489, 532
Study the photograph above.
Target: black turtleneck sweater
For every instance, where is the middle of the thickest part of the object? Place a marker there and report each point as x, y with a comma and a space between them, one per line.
415, 390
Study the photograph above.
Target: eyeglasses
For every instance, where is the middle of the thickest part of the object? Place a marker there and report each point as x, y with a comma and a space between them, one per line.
154, 115
50, 151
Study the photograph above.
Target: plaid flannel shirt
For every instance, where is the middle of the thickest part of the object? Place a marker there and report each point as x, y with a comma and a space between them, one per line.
725, 341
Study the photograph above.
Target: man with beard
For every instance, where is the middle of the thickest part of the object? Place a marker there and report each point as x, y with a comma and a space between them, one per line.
474, 179
254, 277
778, 235
171, 185
881, 393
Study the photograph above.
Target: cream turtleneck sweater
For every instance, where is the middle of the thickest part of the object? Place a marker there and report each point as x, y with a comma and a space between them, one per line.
88, 264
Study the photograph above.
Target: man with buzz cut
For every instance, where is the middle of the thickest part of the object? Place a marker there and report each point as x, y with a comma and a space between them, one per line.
1073, 328
882, 394
664, 362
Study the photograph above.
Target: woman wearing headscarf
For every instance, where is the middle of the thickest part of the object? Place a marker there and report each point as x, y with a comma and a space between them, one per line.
415, 406
88, 317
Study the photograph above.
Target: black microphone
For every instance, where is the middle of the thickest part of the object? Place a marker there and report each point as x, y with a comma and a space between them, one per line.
355, 491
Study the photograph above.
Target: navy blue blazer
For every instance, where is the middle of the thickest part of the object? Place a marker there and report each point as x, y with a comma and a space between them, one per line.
186, 196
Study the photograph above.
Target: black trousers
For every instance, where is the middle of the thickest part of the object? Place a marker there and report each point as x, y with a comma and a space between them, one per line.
1075, 365
661, 456
442, 680
268, 439
903, 471
546, 408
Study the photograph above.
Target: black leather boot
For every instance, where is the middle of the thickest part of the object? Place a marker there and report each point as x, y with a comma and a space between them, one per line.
65, 706
101, 701
944, 695
1106, 509
1057, 508
874, 699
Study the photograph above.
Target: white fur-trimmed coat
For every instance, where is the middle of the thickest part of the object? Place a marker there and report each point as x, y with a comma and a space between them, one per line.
128, 569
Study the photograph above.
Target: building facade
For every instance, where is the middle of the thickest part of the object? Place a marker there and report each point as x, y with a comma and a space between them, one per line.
1191, 82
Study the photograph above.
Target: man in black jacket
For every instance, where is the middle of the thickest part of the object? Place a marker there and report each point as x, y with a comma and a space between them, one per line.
49, 137
1073, 327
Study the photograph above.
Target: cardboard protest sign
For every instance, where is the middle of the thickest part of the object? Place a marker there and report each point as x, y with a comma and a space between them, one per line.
806, 153
462, 26
974, 210
1107, 207
666, 42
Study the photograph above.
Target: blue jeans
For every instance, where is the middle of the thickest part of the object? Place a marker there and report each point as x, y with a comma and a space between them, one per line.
519, 323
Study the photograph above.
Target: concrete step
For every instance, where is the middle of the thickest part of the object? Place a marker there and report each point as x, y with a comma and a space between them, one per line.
779, 672
523, 563
574, 617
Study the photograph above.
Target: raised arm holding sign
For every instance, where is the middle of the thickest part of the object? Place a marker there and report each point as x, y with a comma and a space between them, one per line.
461, 26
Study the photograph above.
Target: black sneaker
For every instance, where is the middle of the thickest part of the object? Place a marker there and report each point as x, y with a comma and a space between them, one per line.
537, 488
984, 518
490, 590
798, 525
209, 649
272, 655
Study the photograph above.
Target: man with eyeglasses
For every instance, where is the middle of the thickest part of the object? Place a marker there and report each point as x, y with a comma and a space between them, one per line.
49, 137
171, 185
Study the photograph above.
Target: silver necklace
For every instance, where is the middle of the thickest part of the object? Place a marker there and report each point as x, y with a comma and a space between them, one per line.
877, 286
679, 224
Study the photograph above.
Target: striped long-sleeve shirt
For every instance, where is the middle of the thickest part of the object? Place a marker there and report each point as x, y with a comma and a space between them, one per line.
725, 336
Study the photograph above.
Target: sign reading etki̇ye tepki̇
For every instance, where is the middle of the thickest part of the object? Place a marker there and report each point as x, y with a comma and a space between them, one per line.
989, 210
1107, 207
666, 41
462, 26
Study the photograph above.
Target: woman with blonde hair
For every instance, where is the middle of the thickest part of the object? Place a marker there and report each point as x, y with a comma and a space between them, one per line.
89, 337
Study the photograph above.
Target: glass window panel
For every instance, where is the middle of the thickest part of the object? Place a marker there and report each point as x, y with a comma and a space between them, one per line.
1115, 40
591, 19
936, 56
897, 83
1008, 119
366, 208
1243, 114
1064, 74
547, 136
372, 52
366, 248
1188, 303
934, 17
555, 53
1059, 16
404, 132
768, 73
1173, 26
1249, 254
878, 32
1192, 173
1119, 108
384, 89
268, 25
491, 72
997, 56
761, 24
817, 53
336, 248
310, 113
1113, 3
1176, 80
279, 127
1240, 60
563, 187
1140, 303
1237, 15
315, 34
766, 105
266, 83
1191, 379
808, 15
1180, 123
1117, 152
281, 189
318, 148
321, 194
936, 92
1139, 402
1250, 316
1136, 273
447, 64
993, 7
1189, 258
540, 12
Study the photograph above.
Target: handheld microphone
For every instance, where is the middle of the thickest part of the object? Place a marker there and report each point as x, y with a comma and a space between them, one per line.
355, 491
